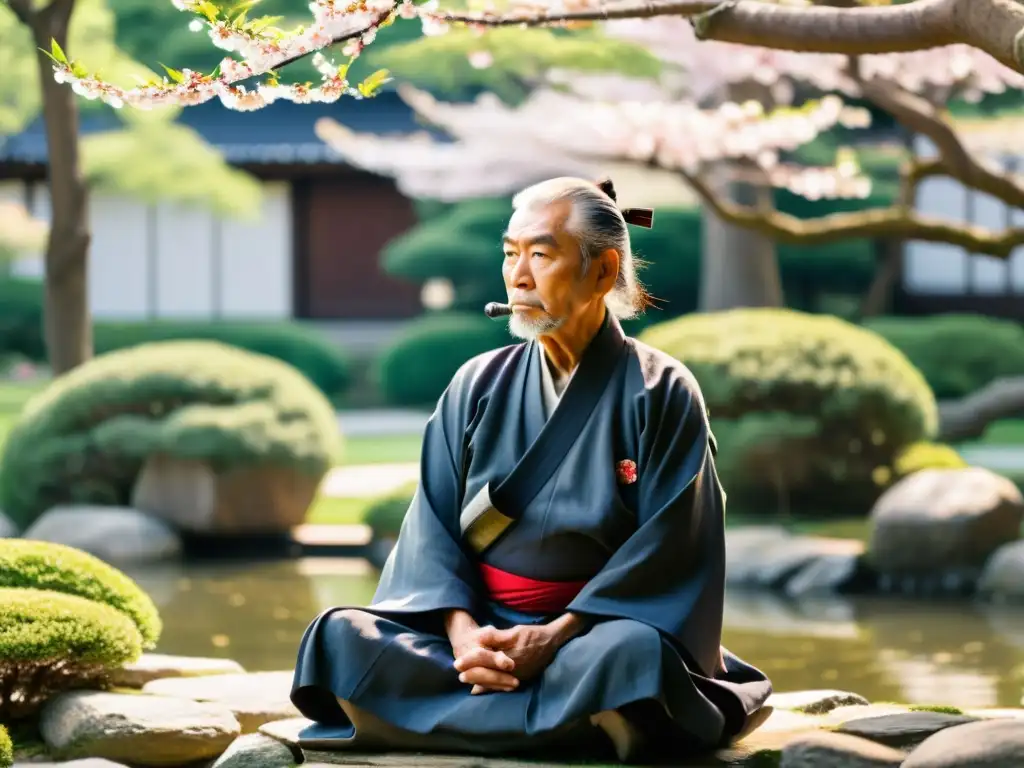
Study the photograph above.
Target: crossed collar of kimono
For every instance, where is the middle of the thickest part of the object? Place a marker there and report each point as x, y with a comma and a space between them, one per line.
496, 508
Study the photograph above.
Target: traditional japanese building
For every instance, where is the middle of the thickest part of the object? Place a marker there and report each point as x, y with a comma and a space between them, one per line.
311, 253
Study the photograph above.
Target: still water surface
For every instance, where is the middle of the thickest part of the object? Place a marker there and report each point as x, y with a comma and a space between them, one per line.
885, 649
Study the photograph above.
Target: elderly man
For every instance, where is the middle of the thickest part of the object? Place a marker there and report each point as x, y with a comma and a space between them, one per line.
558, 580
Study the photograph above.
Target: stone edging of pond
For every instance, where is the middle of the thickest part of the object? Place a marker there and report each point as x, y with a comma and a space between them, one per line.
770, 558
208, 713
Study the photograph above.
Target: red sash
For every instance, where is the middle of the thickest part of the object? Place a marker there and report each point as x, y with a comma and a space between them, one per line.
529, 595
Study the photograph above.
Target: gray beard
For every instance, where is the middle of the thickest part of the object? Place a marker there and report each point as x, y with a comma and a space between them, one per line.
527, 329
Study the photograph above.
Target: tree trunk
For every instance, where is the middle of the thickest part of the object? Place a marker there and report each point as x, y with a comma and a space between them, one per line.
739, 267
67, 323
878, 299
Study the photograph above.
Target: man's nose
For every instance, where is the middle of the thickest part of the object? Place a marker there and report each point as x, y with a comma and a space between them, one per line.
521, 276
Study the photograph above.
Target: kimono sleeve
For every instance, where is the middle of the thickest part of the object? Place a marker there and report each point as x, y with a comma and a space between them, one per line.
428, 569
670, 574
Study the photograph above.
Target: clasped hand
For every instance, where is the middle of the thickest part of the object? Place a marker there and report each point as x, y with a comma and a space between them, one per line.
492, 659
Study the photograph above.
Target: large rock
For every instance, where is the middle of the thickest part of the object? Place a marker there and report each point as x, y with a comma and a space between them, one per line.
192, 496
1003, 576
768, 558
837, 750
254, 750
831, 574
255, 698
907, 729
988, 744
140, 730
156, 666
943, 521
117, 535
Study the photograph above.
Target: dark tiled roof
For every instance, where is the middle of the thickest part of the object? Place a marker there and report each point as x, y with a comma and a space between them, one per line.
277, 134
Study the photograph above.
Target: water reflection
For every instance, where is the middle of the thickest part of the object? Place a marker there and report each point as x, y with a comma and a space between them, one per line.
885, 649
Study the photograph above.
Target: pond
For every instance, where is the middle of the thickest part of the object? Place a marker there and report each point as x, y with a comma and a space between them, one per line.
885, 649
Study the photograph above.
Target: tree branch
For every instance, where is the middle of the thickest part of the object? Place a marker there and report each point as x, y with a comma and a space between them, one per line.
892, 222
970, 416
23, 10
994, 26
955, 161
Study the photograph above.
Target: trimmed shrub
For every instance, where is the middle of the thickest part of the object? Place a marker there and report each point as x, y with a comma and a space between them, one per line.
385, 515
805, 406
84, 439
957, 353
6, 749
918, 456
44, 565
52, 642
21, 333
418, 366
21, 318
306, 349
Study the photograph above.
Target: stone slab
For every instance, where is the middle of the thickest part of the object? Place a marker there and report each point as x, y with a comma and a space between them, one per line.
255, 698
157, 666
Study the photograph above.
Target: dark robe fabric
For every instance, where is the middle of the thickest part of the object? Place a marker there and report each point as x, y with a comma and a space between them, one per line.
651, 553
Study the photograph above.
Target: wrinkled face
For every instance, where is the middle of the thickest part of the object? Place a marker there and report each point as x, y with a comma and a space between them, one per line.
543, 271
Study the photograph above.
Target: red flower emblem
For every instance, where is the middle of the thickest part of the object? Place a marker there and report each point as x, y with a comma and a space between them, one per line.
625, 470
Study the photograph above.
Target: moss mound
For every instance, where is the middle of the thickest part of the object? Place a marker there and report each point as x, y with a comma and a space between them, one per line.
50, 642
85, 438
804, 406
58, 568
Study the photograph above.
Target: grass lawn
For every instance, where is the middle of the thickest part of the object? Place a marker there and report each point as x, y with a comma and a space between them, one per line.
333, 511
387, 449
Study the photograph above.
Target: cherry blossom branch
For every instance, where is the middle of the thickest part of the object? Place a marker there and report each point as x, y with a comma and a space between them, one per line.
264, 49
994, 26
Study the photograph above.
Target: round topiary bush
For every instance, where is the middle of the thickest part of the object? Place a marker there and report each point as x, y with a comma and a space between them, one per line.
805, 407
417, 367
6, 749
85, 438
43, 565
957, 354
51, 642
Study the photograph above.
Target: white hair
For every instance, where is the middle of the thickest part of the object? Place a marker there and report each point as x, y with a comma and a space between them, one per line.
597, 225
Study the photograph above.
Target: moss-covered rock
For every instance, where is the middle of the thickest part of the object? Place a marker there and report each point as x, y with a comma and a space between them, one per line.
40, 565
85, 437
805, 407
50, 642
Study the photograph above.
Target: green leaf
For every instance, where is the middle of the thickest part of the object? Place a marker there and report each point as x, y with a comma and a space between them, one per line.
209, 10
57, 53
373, 82
175, 75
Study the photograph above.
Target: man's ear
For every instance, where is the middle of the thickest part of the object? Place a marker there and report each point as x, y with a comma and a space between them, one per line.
608, 270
